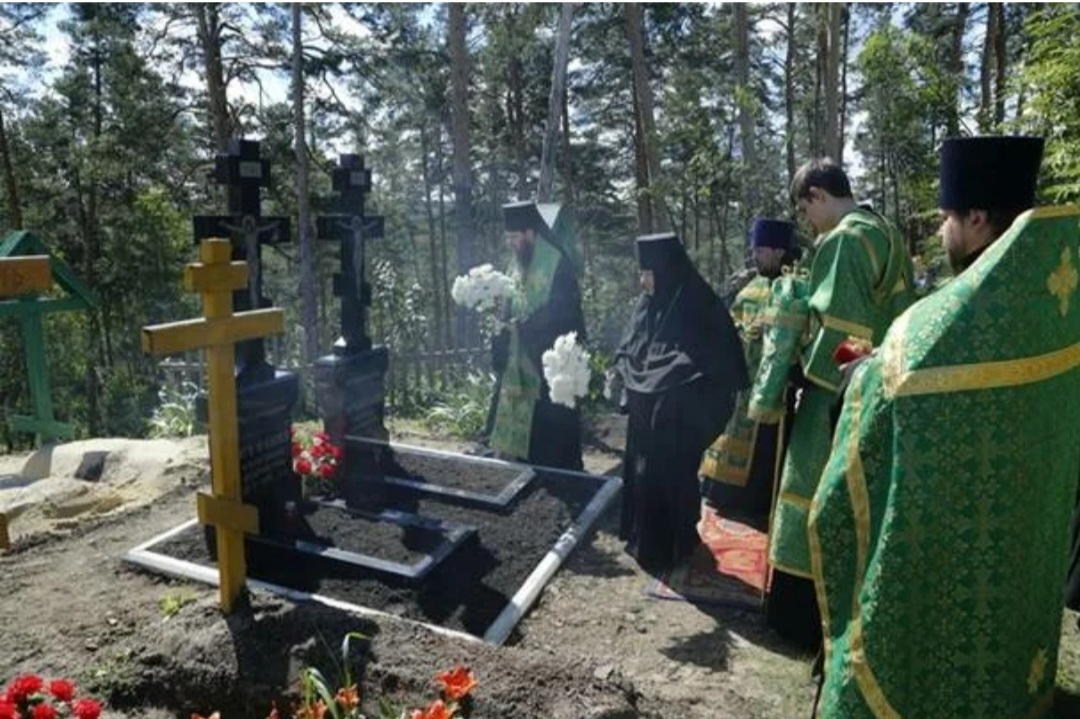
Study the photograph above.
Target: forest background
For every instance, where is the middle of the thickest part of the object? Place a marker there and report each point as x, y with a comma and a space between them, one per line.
639, 117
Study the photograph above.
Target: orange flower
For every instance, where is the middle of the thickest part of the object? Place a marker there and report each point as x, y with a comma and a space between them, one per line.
348, 697
315, 711
437, 710
457, 683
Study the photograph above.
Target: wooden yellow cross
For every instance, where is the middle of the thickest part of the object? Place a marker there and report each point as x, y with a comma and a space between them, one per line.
20, 276
217, 331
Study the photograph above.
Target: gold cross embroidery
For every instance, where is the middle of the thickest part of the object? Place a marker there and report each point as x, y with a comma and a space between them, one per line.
1063, 280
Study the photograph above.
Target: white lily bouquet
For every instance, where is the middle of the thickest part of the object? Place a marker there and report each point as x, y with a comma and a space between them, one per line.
482, 288
566, 369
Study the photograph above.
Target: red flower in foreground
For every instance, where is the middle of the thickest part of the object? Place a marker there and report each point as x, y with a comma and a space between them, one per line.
437, 710
62, 689
87, 709
457, 683
44, 711
302, 466
326, 471
23, 686
7, 710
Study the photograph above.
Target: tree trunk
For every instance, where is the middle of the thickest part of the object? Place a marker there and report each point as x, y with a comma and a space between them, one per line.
208, 31
648, 157
558, 84
745, 100
956, 68
449, 338
830, 81
308, 311
462, 170
986, 70
11, 187
516, 114
846, 12
817, 130
789, 92
437, 294
997, 14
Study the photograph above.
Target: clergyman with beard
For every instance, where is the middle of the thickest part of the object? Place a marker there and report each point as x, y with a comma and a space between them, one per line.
738, 470
940, 525
527, 425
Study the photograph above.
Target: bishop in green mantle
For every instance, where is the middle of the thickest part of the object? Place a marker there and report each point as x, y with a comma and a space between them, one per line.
939, 534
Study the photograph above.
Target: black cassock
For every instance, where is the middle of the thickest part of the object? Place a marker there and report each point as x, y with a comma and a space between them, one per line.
681, 364
555, 436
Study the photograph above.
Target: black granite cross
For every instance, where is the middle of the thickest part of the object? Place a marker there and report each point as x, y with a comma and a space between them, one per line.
245, 174
351, 227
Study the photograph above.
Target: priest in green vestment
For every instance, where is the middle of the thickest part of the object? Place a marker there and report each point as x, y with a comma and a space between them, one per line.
527, 425
739, 469
860, 280
939, 534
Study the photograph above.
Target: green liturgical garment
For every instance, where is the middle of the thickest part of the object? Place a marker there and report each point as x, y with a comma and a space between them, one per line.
939, 534
786, 321
522, 380
728, 458
860, 280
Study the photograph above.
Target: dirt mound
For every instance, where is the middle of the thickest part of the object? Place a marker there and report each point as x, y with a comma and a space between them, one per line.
53, 489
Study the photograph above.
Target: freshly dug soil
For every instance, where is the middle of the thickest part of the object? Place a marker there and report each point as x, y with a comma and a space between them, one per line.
466, 592
477, 477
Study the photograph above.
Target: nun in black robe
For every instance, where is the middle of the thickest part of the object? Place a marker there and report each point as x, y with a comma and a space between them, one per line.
681, 364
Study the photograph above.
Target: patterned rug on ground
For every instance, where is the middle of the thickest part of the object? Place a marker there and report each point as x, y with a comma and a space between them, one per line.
729, 568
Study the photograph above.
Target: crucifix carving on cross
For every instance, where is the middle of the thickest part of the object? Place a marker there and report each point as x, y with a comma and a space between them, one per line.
352, 228
244, 174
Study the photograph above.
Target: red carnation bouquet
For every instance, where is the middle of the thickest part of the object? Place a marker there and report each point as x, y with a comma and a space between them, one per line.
315, 461
28, 696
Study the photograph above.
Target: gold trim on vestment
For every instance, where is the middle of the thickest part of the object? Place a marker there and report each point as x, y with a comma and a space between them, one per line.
979, 375
874, 261
824, 384
765, 416
855, 476
847, 327
818, 571
797, 500
1049, 212
868, 684
790, 570
754, 294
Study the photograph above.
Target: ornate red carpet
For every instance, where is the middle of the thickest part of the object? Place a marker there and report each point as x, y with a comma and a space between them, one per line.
730, 567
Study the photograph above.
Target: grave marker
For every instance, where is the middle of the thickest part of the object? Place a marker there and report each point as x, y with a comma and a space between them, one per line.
215, 278
351, 382
265, 395
244, 174
23, 275
19, 276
